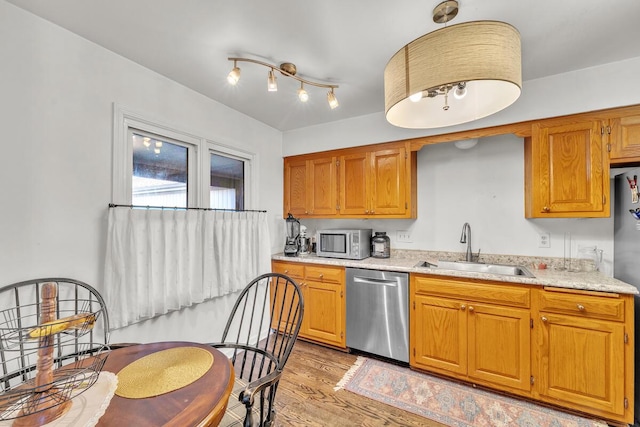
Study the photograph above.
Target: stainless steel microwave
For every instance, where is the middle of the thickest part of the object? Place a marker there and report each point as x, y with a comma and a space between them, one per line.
344, 243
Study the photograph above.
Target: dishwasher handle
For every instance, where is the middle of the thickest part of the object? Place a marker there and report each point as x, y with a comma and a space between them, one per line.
374, 281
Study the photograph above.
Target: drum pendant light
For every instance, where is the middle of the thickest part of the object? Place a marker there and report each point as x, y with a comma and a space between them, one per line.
453, 75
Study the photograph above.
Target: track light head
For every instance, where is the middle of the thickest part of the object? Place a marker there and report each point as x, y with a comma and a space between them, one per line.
234, 75
272, 84
332, 100
302, 94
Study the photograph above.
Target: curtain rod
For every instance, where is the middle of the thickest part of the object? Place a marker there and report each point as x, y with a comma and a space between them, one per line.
112, 205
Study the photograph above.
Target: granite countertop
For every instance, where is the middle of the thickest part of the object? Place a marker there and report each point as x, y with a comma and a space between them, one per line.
582, 274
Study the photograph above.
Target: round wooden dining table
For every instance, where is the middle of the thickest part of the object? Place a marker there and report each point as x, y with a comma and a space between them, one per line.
201, 403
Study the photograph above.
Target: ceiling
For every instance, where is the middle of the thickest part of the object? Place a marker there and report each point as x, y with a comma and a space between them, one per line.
343, 42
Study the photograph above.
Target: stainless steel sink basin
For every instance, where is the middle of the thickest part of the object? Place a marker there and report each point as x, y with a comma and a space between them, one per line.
477, 267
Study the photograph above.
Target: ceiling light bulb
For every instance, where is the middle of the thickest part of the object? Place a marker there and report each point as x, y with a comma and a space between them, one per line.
146, 141
272, 85
461, 91
158, 144
234, 76
416, 97
156, 150
302, 94
331, 99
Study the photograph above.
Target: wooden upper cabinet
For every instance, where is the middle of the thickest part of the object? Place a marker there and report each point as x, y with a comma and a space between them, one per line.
624, 140
310, 187
567, 171
322, 186
295, 187
352, 183
374, 183
355, 175
388, 190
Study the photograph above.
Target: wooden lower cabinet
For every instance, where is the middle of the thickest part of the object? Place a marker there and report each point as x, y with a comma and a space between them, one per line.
584, 352
323, 290
570, 348
471, 335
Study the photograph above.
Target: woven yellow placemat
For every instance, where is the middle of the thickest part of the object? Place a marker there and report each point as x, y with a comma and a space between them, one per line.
163, 371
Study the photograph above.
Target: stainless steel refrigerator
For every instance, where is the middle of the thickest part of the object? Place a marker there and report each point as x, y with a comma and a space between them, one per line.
626, 253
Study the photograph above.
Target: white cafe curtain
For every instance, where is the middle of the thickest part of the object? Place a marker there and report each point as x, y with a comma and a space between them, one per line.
158, 261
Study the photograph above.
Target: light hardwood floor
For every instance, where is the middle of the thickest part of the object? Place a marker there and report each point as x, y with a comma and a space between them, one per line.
306, 396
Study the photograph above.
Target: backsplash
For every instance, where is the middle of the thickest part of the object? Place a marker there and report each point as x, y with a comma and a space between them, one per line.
531, 262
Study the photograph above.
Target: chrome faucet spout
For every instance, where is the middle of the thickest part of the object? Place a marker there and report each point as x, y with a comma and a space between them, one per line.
465, 237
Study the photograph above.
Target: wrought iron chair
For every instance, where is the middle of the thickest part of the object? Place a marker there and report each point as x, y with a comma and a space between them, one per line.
260, 333
57, 319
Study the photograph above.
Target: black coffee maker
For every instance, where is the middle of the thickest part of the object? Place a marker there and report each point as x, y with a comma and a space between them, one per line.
293, 233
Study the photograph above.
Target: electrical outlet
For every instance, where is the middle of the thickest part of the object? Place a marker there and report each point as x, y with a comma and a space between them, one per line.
403, 236
544, 240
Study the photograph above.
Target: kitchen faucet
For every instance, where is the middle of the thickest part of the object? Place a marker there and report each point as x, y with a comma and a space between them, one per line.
465, 237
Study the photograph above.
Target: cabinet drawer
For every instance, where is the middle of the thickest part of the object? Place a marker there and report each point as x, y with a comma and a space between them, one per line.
515, 295
604, 307
293, 270
325, 274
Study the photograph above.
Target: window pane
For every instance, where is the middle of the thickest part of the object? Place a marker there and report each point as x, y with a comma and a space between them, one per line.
226, 190
159, 172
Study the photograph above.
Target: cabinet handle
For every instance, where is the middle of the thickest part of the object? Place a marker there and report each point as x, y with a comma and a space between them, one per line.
544, 319
546, 209
373, 212
367, 211
471, 309
321, 276
580, 307
463, 307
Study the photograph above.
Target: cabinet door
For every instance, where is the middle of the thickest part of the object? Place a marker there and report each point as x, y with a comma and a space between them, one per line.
322, 199
625, 138
570, 172
354, 184
582, 363
439, 337
324, 312
296, 272
499, 345
388, 182
295, 188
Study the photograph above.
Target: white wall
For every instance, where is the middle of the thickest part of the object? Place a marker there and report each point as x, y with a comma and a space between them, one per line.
484, 185
56, 99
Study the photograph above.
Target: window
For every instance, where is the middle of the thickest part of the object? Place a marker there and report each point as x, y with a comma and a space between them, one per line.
160, 171
156, 165
227, 182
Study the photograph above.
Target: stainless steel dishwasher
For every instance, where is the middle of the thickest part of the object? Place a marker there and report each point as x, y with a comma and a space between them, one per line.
378, 312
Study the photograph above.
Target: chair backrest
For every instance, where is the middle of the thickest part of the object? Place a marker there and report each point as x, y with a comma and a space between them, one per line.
21, 307
267, 317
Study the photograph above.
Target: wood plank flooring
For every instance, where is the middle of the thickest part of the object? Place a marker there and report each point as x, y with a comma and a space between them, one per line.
306, 397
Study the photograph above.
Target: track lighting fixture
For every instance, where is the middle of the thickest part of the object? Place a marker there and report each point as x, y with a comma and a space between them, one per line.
286, 69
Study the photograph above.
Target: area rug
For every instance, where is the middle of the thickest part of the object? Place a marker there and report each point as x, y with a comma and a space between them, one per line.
448, 402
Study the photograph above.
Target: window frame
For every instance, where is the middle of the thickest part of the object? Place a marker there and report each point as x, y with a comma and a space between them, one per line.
198, 161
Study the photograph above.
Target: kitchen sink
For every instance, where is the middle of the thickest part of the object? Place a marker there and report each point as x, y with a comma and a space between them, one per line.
478, 267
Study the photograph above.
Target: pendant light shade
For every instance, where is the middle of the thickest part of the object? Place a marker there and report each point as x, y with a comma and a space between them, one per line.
456, 74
